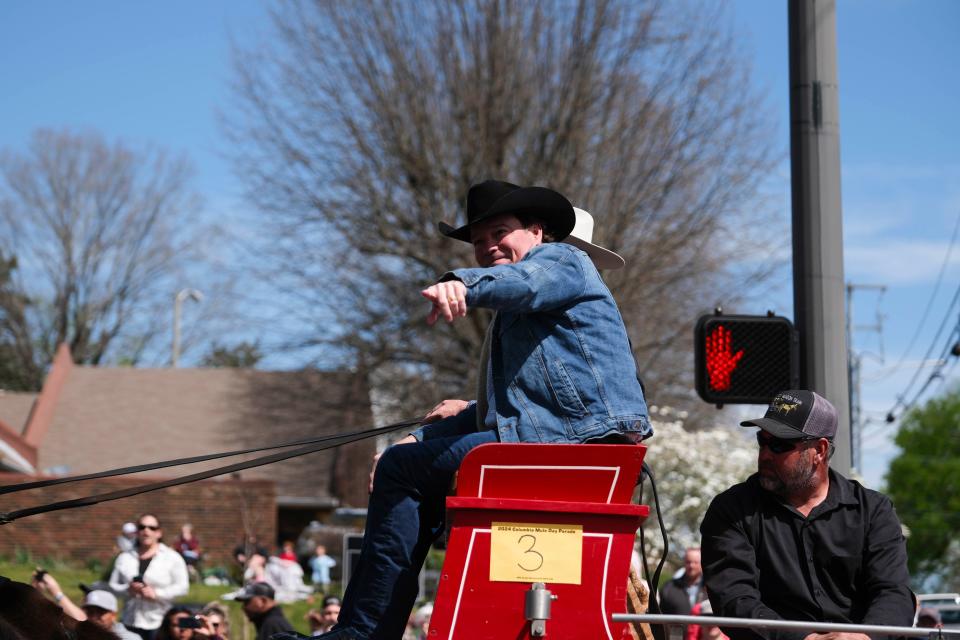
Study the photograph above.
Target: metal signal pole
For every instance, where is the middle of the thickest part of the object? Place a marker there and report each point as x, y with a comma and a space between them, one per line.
818, 283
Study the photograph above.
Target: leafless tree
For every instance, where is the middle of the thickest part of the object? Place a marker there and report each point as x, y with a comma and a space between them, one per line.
361, 124
92, 237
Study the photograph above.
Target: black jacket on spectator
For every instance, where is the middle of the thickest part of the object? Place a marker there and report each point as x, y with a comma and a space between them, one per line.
674, 599
272, 622
845, 562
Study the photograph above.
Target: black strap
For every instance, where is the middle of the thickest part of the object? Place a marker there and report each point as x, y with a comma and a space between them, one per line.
315, 444
24, 486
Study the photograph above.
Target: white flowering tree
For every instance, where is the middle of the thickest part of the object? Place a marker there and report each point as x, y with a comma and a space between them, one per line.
690, 468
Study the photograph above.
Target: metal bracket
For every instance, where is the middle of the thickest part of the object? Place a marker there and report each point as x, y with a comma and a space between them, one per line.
537, 608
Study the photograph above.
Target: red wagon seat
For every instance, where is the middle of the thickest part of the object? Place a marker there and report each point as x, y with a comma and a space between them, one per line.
575, 495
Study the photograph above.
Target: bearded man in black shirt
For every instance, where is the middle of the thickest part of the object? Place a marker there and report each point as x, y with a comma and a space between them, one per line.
262, 610
798, 541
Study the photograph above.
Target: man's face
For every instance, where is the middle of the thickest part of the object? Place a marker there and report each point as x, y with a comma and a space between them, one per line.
255, 606
691, 565
789, 473
101, 617
503, 240
329, 615
148, 531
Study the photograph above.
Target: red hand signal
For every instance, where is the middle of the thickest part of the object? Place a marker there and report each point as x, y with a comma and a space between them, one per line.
721, 361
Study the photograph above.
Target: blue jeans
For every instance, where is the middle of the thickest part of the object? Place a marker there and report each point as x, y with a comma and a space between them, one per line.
404, 517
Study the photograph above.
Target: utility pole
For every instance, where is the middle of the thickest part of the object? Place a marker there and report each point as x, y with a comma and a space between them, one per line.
182, 295
818, 283
854, 365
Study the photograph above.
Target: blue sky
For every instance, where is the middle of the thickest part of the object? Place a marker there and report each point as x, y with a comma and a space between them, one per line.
158, 72
900, 164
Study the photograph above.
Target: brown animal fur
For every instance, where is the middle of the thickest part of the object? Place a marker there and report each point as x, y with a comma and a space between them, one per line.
26, 615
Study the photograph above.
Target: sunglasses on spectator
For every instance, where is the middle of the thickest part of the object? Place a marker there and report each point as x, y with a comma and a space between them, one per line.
777, 445
152, 527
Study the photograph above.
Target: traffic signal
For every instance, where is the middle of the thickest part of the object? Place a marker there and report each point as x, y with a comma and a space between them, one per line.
745, 359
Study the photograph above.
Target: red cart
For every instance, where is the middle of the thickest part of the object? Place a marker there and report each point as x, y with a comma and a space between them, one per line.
540, 543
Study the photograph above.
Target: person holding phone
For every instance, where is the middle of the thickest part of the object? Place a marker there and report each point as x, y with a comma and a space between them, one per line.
178, 623
150, 577
98, 606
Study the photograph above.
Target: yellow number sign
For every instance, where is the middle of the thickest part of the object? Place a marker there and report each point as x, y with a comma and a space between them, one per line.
548, 553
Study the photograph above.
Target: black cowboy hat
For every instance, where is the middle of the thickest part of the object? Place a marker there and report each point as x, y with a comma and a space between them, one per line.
494, 197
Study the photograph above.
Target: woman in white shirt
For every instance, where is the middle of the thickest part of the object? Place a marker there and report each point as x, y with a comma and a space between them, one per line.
150, 577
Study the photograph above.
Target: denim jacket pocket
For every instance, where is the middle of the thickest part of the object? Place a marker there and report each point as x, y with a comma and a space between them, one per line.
567, 396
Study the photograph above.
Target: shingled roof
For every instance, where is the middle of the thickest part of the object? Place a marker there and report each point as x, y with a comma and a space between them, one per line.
93, 418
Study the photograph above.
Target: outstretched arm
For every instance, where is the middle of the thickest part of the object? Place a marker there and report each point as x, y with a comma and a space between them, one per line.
48, 586
551, 276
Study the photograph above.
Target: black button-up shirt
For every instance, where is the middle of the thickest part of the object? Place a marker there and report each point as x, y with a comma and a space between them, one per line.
845, 562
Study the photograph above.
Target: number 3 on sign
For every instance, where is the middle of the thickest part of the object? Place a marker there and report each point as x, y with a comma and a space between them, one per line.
537, 556
523, 552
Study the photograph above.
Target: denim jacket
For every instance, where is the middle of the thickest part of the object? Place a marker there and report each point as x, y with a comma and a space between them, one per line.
562, 366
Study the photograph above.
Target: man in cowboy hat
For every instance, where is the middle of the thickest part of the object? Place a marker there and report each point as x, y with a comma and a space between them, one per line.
556, 366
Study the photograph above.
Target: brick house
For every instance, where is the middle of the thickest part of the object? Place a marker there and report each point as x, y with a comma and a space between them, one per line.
89, 419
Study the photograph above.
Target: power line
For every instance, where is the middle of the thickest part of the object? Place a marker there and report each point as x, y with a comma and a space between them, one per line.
933, 296
953, 342
952, 347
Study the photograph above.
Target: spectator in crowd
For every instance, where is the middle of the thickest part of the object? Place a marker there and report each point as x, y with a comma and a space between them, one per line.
323, 620
170, 626
188, 546
99, 607
704, 631
255, 569
418, 627
242, 554
217, 619
286, 577
799, 541
287, 552
150, 576
260, 607
250, 546
127, 540
680, 594
181, 623
320, 565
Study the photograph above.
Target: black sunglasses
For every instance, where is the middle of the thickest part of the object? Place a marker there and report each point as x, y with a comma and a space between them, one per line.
141, 527
777, 445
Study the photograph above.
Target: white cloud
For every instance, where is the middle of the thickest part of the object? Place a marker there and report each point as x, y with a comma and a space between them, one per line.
900, 262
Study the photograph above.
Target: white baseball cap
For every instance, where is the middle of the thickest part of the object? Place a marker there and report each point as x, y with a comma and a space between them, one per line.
102, 599
129, 527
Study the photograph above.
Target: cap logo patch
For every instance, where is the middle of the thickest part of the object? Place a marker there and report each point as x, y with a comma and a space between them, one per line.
785, 407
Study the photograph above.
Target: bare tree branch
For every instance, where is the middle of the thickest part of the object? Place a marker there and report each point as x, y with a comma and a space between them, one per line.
365, 123
97, 233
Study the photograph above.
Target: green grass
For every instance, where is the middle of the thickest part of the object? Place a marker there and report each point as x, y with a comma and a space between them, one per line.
21, 567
